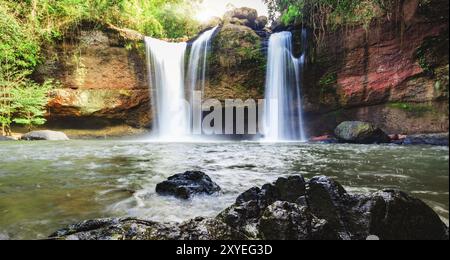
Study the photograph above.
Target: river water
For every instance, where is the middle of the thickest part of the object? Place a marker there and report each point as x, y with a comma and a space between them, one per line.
47, 185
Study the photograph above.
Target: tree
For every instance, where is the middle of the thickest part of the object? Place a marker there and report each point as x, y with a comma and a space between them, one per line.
29, 103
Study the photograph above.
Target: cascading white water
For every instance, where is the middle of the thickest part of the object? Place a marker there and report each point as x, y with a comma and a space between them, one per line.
166, 61
283, 119
166, 68
198, 64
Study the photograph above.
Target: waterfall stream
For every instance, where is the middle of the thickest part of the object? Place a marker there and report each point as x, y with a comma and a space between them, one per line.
283, 118
166, 66
166, 70
197, 70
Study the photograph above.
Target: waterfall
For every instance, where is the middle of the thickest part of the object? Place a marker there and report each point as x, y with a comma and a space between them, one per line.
166, 65
283, 117
198, 64
166, 69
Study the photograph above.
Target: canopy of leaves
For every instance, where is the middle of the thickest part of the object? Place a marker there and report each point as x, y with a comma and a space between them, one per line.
330, 13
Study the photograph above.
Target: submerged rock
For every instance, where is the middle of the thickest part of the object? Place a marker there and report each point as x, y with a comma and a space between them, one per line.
186, 184
290, 208
45, 135
361, 133
427, 139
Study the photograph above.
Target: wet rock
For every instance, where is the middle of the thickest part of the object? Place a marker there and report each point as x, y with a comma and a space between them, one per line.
4, 237
289, 208
322, 209
427, 139
361, 133
289, 221
244, 215
46, 135
397, 216
135, 229
6, 138
325, 139
185, 185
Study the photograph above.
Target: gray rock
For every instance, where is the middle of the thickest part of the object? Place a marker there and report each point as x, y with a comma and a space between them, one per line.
360, 133
186, 184
261, 22
45, 135
135, 229
245, 16
6, 138
4, 237
427, 139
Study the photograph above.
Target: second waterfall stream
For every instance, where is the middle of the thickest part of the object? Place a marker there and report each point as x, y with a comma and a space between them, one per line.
283, 115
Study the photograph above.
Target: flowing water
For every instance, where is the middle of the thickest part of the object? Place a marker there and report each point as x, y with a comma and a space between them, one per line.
166, 65
45, 186
283, 119
197, 69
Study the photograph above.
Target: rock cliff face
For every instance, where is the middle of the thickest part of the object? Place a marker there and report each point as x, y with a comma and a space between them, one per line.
103, 78
394, 74
237, 60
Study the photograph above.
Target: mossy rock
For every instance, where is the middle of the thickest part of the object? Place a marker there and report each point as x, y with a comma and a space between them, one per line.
237, 63
360, 132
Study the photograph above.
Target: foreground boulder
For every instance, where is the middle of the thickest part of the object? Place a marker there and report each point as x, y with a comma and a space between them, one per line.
290, 208
186, 184
360, 133
46, 135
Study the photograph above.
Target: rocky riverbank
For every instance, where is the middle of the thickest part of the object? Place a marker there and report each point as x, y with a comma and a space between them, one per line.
290, 208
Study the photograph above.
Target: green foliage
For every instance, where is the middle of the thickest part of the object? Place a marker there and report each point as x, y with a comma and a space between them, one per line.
22, 101
50, 19
17, 48
29, 102
331, 13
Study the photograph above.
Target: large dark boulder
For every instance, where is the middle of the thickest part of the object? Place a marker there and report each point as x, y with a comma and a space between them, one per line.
186, 184
398, 216
360, 133
46, 135
322, 205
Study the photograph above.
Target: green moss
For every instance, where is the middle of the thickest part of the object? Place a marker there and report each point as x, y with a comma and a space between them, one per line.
433, 53
327, 85
417, 109
328, 79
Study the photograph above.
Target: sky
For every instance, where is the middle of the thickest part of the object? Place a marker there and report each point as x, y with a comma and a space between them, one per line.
211, 8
